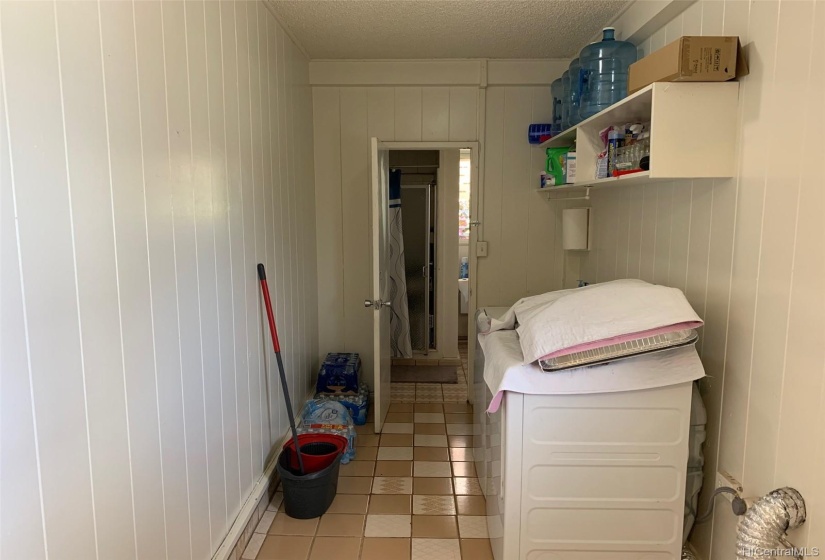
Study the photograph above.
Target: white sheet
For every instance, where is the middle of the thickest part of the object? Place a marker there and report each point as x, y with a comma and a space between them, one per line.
504, 370
570, 320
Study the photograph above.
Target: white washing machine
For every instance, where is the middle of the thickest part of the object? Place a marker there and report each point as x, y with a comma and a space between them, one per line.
597, 476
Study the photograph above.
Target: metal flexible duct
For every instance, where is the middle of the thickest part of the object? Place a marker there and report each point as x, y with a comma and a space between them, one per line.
762, 530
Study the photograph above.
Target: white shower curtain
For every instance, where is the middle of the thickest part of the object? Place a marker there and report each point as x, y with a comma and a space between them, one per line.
400, 316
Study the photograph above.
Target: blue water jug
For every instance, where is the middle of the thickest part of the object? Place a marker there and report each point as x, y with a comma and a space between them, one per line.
565, 100
557, 90
575, 91
603, 75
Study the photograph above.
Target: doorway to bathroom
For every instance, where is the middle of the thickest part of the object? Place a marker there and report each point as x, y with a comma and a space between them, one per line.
429, 269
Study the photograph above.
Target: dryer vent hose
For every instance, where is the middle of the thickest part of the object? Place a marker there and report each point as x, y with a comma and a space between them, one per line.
762, 530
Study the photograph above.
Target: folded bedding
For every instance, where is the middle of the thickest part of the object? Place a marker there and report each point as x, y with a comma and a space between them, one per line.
600, 315
505, 370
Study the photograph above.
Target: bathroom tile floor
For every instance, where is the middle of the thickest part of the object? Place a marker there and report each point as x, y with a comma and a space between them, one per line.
411, 494
435, 392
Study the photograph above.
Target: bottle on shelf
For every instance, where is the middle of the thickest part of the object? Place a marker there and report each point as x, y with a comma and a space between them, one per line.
603, 74
565, 100
557, 90
575, 91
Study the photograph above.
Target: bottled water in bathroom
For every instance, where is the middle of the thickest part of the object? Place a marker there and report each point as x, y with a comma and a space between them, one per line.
603, 74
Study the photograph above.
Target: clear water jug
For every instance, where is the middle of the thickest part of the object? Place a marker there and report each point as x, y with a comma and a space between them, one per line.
603, 75
565, 100
575, 91
557, 90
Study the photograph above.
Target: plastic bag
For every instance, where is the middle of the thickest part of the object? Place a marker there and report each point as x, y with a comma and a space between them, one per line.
358, 405
323, 416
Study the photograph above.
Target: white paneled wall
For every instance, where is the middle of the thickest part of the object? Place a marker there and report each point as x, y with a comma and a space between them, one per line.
749, 254
345, 119
522, 228
151, 154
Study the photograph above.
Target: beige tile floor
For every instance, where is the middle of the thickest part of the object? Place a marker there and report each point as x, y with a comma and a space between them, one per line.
435, 392
410, 494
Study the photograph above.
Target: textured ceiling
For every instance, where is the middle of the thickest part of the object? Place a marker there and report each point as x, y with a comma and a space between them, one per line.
393, 29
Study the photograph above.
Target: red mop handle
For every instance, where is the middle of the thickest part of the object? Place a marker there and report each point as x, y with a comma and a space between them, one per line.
269, 314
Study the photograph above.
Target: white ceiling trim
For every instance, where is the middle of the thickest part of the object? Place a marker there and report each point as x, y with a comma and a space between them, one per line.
479, 73
395, 72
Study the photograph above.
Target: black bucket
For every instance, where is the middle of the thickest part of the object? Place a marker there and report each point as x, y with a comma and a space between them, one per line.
310, 495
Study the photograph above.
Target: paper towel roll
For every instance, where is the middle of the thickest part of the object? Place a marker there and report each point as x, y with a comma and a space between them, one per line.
575, 229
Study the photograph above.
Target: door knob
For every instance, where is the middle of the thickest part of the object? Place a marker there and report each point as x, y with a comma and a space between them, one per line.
377, 303
386, 303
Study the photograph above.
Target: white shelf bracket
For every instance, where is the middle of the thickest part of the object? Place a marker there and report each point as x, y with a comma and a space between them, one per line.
585, 197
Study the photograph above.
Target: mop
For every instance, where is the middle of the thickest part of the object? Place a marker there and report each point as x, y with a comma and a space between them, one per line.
277, 347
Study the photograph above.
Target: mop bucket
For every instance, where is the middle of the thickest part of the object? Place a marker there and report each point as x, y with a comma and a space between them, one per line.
309, 495
318, 451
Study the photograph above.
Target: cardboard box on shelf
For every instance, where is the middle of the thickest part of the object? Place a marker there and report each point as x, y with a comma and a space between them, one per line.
690, 59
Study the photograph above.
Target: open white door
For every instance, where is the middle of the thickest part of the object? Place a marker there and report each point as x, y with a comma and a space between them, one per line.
380, 298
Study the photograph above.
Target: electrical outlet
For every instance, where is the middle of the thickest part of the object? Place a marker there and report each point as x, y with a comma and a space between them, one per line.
481, 248
724, 478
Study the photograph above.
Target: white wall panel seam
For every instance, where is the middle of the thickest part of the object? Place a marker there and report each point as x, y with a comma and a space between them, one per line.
76, 287
263, 60
707, 272
294, 326
215, 259
255, 349
176, 285
117, 278
248, 427
673, 187
502, 178
7, 132
759, 264
804, 136
260, 244
341, 174
744, 89
231, 260
421, 125
272, 44
197, 271
283, 182
690, 225
149, 278
527, 223
248, 244
266, 441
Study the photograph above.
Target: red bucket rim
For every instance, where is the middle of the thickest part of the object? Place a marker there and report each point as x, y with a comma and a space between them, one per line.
339, 441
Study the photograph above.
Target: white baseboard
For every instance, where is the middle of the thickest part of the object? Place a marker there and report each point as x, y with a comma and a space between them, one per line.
259, 492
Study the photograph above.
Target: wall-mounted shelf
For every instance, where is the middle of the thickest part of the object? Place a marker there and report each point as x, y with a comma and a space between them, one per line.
692, 133
625, 180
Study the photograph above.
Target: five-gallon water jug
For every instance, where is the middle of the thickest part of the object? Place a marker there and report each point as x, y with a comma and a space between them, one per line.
557, 90
575, 92
603, 75
565, 100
